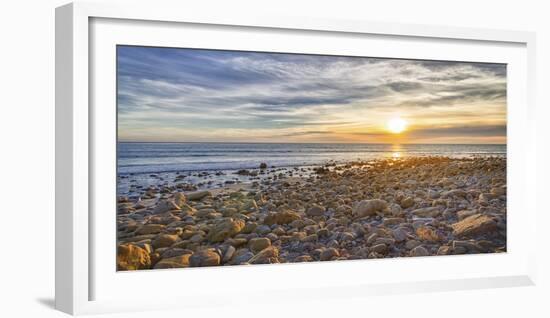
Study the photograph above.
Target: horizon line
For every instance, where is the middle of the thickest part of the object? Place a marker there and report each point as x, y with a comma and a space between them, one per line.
268, 142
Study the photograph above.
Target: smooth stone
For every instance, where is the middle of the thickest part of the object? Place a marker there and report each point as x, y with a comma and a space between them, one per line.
328, 254
225, 229
476, 224
419, 251
369, 207
150, 229
181, 261
198, 195
315, 210
206, 257
258, 244
164, 240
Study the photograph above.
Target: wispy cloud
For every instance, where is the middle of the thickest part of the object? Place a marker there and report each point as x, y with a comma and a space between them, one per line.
186, 94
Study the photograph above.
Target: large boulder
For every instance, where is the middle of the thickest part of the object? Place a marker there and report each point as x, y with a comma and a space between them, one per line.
225, 229
476, 224
369, 207
132, 257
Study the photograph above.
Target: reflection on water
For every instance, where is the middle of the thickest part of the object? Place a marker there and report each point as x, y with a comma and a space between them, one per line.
396, 151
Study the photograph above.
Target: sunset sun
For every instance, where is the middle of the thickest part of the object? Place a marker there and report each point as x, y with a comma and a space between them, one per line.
397, 125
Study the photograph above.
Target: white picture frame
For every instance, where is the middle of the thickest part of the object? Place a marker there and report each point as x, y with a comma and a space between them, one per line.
80, 174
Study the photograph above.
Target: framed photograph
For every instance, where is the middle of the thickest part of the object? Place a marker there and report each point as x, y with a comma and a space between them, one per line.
242, 156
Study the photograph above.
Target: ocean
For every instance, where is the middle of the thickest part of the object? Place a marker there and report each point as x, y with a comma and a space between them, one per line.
214, 165
171, 157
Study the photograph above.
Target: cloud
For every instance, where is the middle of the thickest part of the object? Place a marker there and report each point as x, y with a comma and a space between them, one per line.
201, 90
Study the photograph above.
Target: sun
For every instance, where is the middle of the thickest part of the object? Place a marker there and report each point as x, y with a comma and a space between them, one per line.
397, 125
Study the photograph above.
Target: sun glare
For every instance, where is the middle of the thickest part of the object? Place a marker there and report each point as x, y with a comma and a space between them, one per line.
397, 125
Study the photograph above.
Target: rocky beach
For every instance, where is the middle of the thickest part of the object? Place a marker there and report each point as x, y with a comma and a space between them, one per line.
383, 208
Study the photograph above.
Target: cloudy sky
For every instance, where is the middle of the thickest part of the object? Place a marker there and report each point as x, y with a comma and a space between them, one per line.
167, 94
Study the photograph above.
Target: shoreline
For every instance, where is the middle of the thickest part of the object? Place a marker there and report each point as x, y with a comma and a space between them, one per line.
211, 179
410, 206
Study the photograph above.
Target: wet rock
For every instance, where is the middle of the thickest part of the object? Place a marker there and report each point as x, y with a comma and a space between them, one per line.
198, 195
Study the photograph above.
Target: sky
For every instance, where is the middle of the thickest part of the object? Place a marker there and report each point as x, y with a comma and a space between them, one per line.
192, 95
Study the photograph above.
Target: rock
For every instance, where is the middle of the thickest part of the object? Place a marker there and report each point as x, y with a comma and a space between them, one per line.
470, 246
429, 212
412, 244
315, 210
498, 191
179, 199
427, 234
379, 248
132, 257
453, 193
369, 207
165, 206
173, 262
263, 229
258, 244
476, 224
228, 255
150, 229
396, 210
206, 257
263, 165
444, 250
164, 240
393, 221
407, 202
465, 213
198, 195
268, 255
173, 252
242, 256
303, 258
419, 251
283, 217
399, 235
225, 229
328, 254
